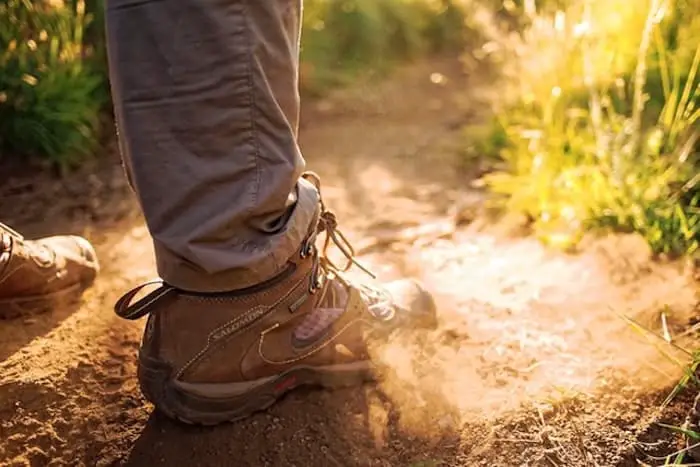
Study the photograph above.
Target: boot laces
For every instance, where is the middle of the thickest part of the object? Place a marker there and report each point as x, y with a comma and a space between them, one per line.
325, 268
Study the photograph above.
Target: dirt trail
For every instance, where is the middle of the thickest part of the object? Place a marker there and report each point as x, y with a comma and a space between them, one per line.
531, 364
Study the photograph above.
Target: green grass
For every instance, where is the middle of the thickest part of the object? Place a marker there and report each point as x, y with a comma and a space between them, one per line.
50, 96
689, 362
587, 144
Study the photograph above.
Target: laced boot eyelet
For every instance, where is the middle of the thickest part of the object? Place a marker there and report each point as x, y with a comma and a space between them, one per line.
307, 248
316, 277
316, 285
313, 285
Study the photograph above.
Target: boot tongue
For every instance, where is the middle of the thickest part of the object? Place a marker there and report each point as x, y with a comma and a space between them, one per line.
333, 294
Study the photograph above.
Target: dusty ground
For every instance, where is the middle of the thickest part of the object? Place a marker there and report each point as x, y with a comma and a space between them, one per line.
532, 364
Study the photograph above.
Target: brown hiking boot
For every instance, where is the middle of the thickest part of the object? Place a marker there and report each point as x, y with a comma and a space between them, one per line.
40, 275
210, 358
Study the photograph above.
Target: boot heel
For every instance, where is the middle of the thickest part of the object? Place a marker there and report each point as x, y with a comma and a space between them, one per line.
154, 376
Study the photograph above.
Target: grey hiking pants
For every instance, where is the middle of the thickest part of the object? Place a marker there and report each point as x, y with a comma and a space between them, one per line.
207, 106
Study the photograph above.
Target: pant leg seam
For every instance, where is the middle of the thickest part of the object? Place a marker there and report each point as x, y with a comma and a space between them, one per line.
251, 110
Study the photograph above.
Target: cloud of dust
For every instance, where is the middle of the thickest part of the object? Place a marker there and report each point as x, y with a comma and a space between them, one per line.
519, 325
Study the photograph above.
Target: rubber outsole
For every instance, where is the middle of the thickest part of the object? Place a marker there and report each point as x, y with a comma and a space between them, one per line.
158, 386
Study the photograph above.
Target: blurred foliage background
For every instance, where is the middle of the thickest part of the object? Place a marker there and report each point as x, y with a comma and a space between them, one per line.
601, 124
597, 127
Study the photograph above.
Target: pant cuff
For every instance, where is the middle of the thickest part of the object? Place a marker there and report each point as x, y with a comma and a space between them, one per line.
263, 265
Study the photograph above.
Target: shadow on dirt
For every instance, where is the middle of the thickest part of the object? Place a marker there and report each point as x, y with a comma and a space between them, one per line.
308, 428
345, 428
18, 332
